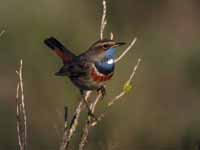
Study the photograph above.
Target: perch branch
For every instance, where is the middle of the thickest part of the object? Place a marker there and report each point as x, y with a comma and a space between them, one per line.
127, 87
85, 131
69, 131
89, 124
126, 51
21, 111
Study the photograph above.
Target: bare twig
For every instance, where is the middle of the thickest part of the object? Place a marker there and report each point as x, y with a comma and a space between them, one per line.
23, 103
85, 132
73, 125
126, 51
18, 119
70, 126
84, 137
121, 94
93, 105
89, 124
103, 20
126, 84
21, 111
111, 36
69, 131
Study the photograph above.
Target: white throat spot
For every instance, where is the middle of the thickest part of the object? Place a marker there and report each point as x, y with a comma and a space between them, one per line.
110, 61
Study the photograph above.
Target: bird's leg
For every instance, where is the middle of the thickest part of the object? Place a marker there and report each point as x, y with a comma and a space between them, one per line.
87, 105
102, 90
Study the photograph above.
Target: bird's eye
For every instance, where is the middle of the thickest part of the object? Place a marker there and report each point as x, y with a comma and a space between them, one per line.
106, 46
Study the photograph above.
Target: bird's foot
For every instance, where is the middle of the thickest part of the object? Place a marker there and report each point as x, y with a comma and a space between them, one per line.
102, 91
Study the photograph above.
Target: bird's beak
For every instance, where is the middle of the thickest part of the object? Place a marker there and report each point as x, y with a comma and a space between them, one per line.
119, 44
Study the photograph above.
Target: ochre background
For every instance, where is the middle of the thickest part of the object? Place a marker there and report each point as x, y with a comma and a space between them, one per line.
162, 110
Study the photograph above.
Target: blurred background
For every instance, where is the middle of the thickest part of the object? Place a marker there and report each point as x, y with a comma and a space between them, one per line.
161, 112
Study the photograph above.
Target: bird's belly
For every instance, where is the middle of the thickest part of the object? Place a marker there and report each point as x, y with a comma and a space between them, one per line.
86, 84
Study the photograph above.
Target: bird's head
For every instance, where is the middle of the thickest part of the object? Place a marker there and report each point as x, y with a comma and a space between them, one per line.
105, 44
102, 53
104, 48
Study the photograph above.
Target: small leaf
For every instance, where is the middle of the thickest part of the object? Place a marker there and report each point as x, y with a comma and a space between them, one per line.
127, 87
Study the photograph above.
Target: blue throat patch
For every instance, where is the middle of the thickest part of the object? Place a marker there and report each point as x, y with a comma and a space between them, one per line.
106, 65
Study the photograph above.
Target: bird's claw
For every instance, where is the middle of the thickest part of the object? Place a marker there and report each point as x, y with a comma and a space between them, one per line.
102, 90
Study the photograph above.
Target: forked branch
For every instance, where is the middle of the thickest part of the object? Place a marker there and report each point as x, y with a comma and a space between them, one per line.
126, 88
85, 130
69, 130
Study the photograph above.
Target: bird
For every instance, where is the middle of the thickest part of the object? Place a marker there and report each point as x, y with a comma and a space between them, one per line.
90, 70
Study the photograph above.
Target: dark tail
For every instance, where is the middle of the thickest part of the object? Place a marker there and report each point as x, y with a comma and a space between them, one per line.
65, 54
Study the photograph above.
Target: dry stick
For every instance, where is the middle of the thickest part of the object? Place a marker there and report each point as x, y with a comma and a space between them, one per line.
90, 124
69, 131
73, 125
23, 103
128, 82
74, 122
103, 19
85, 131
111, 36
123, 92
18, 119
126, 51
21, 111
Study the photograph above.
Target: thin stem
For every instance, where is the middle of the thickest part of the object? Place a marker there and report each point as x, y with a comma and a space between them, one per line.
18, 119
103, 19
21, 111
85, 132
134, 70
120, 95
111, 36
23, 103
126, 51
68, 133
